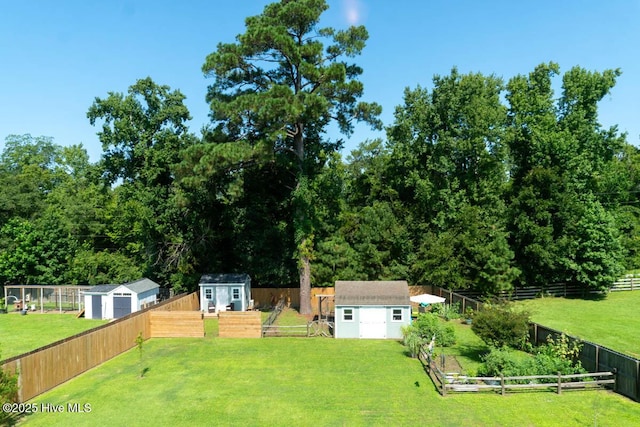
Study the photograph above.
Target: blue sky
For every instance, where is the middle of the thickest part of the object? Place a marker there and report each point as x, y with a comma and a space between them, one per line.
57, 56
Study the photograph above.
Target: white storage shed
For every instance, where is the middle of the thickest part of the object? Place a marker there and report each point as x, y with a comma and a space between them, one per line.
115, 301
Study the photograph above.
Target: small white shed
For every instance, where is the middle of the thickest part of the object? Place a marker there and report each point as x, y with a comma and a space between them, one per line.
371, 309
115, 301
222, 292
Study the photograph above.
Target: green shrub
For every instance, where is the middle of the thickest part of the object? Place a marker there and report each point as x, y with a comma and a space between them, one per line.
412, 339
501, 361
558, 355
8, 394
502, 325
428, 325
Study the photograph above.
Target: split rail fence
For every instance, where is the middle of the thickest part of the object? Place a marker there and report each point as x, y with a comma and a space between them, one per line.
593, 357
450, 382
42, 369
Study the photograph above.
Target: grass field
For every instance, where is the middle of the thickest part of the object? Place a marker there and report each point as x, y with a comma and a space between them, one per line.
20, 334
612, 322
301, 381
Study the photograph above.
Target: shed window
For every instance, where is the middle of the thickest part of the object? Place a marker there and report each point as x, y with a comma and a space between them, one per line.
236, 293
208, 294
397, 315
347, 314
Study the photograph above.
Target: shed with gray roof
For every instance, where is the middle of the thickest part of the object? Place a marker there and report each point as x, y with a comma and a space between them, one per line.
115, 301
371, 309
222, 292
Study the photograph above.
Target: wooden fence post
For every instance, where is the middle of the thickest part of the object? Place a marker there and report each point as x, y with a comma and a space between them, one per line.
559, 383
502, 383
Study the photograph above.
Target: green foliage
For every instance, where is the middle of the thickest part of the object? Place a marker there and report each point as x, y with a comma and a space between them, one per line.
501, 361
35, 252
447, 311
139, 346
502, 325
142, 133
277, 88
448, 168
557, 356
8, 394
596, 250
480, 185
413, 339
429, 325
562, 162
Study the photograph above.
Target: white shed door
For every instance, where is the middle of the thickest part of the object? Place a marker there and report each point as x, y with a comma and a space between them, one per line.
373, 322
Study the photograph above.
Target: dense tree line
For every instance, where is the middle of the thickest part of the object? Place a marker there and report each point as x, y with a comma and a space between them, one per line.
480, 184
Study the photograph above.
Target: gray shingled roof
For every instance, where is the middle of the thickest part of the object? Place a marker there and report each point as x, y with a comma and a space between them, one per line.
224, 278
101, 289
372, 293
142, 285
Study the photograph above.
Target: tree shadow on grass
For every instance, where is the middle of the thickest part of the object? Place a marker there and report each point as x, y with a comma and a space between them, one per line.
473, 351
144, 372
588, 297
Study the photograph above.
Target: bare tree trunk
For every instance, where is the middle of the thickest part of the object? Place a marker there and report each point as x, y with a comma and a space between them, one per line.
305, 285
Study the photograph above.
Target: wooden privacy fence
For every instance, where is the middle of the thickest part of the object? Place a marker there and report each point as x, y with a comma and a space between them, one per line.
175, 324
239, 324
47, 367
269, 297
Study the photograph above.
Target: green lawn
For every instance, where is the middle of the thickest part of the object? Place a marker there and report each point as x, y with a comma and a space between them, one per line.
613, 322
468, 349
301, 381
20, 334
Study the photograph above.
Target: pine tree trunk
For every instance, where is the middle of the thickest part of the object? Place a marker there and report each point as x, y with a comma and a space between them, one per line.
301, 214
305, 285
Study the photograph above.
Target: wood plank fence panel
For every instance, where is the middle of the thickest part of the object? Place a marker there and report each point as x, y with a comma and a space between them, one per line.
172, 324
269, 297
240, 324
627, 371
42, 369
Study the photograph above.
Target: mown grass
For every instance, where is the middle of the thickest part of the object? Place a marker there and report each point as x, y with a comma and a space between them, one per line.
468, 349
294, 381
20, 334
291, 317
612, 322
